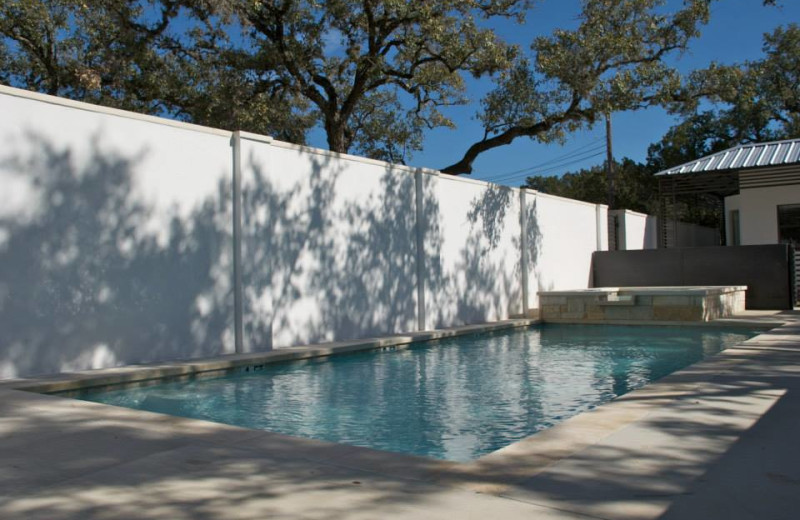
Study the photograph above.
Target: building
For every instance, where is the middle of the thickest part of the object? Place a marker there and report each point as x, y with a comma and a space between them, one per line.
757, 184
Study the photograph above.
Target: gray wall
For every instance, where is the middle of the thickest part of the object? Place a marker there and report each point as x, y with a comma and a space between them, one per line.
695, 235
765, 270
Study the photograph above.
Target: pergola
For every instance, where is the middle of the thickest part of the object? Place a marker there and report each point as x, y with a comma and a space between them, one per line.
723, 174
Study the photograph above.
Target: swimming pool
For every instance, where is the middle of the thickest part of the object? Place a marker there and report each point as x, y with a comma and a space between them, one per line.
455, 399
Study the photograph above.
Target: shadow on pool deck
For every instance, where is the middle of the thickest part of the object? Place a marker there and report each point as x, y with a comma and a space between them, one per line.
691, 456
72, 459
717, 440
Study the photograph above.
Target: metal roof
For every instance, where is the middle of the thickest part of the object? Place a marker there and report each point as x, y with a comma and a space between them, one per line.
775, 153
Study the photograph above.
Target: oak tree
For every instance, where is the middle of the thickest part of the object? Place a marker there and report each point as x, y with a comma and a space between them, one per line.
103, 52
376, 72
613, 61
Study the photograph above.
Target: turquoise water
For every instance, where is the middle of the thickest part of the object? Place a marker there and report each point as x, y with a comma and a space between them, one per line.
454, 399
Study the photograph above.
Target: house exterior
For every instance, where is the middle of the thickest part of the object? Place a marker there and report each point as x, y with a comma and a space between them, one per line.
758, 184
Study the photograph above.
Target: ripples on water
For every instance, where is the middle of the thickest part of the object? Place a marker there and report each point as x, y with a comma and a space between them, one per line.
454, 399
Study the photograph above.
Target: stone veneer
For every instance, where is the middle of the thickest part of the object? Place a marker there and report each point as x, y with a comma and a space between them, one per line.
632, 304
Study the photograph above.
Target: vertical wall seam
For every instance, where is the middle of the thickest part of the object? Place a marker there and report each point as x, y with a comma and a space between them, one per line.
420, 239
523, 241
598, 228
236, 145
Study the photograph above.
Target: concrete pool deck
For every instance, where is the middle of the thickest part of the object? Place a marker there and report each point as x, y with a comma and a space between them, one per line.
715, 440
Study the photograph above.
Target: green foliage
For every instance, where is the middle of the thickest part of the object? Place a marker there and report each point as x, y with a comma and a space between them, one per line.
612, 62
104, 52
753, 102
375, 72
151, 56
635, 187
695, 137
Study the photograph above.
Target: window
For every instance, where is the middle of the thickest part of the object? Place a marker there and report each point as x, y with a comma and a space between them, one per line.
736, 237
789, 224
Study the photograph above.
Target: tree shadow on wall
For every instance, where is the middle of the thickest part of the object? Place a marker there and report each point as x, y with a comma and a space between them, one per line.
83, 284
279, 227
373, 267
489, 210
321, 265
325, 264
482, 283
536, 274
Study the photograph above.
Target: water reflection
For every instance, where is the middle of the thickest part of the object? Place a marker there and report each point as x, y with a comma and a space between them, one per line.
455, 399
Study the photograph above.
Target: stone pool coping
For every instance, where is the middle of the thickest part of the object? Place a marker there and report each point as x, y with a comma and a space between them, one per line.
128, 374
693, 290
194, 367
518, 472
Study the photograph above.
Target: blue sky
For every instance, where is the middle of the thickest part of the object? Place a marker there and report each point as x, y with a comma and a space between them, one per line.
734, 35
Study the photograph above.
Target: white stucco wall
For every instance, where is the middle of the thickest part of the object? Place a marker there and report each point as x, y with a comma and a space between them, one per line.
636, 230
117, 242
328, 245
640, 230
472, 251
115, 239
562, 235
758, 212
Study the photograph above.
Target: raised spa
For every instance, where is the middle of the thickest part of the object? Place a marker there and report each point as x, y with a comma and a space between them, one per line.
642, 304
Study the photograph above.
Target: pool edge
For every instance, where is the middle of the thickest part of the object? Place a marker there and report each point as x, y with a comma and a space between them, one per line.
74, 381
493, 473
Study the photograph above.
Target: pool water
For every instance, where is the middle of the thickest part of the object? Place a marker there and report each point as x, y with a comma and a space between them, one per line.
455, 399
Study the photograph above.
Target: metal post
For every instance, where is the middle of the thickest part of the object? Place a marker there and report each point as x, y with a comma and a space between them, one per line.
660, 222
723, 235
674, 203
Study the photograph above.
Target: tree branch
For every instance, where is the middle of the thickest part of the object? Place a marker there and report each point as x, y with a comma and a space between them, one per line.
571, 113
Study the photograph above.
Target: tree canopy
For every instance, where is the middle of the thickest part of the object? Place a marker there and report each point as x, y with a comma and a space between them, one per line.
613, 61
637, 189
750, 102
163, 57
373, 74
106, 53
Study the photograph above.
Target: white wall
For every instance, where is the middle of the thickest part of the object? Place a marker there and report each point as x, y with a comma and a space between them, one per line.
328, 243
758, 212
640, 231
472, 251
117, 242
562, 235
636, 230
